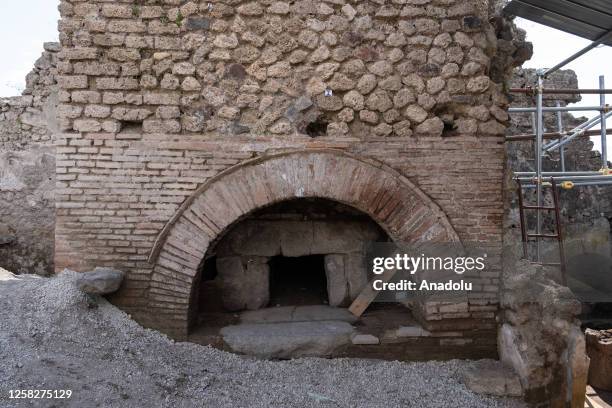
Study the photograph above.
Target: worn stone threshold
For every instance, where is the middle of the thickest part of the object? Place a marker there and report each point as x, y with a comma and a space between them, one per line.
383, 332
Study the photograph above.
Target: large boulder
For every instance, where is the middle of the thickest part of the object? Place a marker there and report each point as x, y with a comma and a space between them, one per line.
540, 337
100, 281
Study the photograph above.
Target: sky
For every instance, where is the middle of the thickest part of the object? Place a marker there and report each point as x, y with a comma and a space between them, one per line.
552, 46
27, 24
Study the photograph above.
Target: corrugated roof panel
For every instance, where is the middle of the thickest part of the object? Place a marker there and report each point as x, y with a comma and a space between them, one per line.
605, 6
585, 18
576, 12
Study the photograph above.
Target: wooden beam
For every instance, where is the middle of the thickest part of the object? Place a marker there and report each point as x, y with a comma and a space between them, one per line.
368, 294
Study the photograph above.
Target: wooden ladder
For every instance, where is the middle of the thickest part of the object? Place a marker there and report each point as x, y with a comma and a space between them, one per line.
530, 236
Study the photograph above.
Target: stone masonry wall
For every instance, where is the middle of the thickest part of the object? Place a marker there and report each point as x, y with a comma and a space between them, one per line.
539, 316
158, 97
27, 170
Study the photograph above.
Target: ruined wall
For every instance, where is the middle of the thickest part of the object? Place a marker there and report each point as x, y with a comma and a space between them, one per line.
540, 335
159, 97
27, 170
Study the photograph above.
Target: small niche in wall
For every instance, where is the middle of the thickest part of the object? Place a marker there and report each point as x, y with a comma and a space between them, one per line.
317, 128
449, 128
131, 126
447, 116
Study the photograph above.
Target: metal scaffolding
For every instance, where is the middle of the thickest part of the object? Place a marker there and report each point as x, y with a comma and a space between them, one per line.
544, 143
592, 20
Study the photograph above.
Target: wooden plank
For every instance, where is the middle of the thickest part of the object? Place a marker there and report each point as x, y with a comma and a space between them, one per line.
368, 294
593, 400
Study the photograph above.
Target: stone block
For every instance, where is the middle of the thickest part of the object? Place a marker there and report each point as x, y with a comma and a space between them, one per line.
599, 349
342, 236
459, 307
288, 340
364, 339
337, 285
100, 281
245, 282
356, 273
257, 282
296, 238
251, 238
231, 272
578, 368
412, 331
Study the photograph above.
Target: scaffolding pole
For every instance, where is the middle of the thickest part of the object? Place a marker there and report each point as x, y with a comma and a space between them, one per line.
589, 177
557, 173
561, 109
563, 178
567, 91
554, 135
604, 130
560, 130
539, 132
578, 131
581, 184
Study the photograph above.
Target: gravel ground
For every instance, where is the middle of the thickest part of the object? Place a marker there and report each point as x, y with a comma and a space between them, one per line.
50, 339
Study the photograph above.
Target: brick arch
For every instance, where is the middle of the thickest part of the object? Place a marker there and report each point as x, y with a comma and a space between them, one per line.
390, 199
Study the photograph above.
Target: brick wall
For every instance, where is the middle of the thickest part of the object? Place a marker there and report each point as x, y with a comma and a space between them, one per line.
159, 97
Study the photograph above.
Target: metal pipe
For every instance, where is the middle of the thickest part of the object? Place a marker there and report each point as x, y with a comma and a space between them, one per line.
579, 54
554, 135
578, 131
555, 195
604, 133
593, 183
557, 173
560, 130
561, 91
555, 109
523, 220
539, 132
570, 178
582, 184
